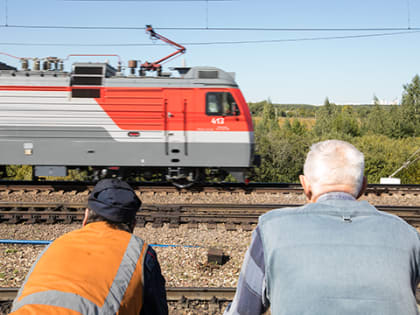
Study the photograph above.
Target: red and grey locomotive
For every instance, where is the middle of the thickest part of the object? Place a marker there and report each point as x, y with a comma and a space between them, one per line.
96, 116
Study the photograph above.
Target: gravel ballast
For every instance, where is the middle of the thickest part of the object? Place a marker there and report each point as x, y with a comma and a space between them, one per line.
181, 266
222, 197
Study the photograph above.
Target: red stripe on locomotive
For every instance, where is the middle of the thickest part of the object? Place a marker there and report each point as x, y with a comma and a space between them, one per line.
158, 109
170, 109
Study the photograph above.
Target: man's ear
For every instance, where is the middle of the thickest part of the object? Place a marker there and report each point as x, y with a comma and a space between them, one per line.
86, 216
363, 188
306, 187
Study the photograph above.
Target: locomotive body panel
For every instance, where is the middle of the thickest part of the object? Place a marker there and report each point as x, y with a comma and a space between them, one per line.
111, 153
136, 122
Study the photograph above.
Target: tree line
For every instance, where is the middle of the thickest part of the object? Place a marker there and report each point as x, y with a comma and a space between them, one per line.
389, 136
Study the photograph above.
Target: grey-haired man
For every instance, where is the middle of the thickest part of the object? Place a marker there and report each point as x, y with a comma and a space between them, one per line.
333, 256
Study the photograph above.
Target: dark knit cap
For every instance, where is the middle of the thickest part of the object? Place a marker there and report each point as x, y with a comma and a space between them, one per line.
115, 200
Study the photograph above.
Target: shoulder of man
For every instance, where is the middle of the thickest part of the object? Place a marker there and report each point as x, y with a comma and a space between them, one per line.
150, 256
150, 259
281, 212
68, 236
400, 222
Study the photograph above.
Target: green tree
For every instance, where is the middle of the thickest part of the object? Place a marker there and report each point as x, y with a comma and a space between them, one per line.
410, 106
384, 155
395, 125
345, 122
338, 120
324, 118
375, 120
269, 121
282, 156
256, 109
298, 128
287, 125
19, 172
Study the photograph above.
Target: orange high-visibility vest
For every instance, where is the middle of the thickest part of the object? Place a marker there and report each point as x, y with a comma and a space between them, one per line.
93, 270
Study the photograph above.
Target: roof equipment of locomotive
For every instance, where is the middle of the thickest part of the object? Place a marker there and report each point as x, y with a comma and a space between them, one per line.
156, 65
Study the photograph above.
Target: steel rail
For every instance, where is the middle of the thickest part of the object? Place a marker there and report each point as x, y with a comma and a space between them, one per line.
164, 186
7, 294
175, 214
74, 207
173, 294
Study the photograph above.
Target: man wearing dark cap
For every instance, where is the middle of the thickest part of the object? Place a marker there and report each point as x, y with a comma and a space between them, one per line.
101, 268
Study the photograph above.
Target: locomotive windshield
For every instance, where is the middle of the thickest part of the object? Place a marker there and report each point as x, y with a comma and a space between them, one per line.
221, 104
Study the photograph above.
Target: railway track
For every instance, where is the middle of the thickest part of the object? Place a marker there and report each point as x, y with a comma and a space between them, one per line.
234, 216
173, 294
184, 298
215, 298
78, 187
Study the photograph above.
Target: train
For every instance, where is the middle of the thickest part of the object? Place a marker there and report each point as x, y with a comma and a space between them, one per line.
184, 125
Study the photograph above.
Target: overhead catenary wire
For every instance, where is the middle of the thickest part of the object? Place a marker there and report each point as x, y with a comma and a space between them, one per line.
238, 29
6, 25
390, 31
150, 0
212, 43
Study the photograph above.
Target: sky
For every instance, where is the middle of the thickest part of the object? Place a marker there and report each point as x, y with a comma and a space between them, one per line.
313, 50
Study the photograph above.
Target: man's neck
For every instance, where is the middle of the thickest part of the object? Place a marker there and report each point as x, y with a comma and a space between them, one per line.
347, 189
335, 195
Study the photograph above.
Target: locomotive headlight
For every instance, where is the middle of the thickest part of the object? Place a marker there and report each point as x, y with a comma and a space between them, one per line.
28, 148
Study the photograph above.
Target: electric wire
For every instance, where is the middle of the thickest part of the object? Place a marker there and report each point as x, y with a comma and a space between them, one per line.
213, 43
149, 0
246, 29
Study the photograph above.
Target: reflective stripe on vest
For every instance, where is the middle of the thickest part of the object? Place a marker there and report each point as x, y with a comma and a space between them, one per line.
30, 270
82, 305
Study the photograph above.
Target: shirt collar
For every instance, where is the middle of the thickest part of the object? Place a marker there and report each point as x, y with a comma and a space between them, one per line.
335, 195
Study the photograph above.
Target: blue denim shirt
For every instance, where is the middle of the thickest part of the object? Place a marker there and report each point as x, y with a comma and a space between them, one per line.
336, 256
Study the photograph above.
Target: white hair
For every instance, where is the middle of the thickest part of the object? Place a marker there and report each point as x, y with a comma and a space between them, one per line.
334, 162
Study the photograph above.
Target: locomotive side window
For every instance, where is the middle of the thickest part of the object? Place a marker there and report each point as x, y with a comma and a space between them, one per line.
221, 104
213, 104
